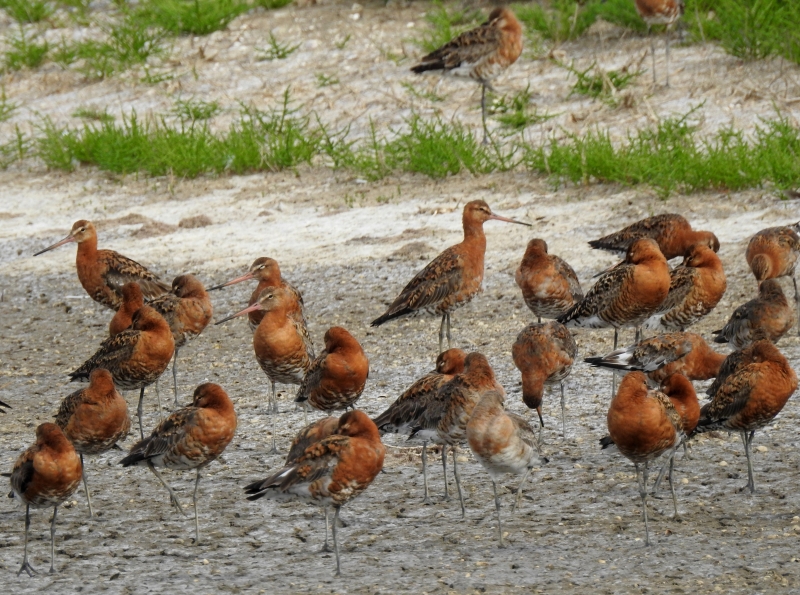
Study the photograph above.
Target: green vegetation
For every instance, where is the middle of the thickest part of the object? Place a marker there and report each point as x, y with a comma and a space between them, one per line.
601, 84
25, 52
93, 113
27, 11
276, 50
193, 17
323, 80
446, 24
514, 112
195, 110
7, 108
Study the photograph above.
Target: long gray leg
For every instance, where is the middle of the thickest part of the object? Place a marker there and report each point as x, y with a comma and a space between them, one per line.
660, 477
86, 488
175, 377
26, 567
139, 412
747, 442
485, 140
444, 471
519, 491
274, 449
652, 52
173, 498
449, 342
426, 499
797, 304
458, 481
643, 494
325, 546
441, 332
335, 542
194, 500
497, 508
53, 540
668, 36
671, 484
563, 415
613, 374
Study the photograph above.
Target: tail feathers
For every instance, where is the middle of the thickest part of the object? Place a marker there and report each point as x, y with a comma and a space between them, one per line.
391, 315
430, 65
615, 361
719, 338
606, 442
607, 244
133, 459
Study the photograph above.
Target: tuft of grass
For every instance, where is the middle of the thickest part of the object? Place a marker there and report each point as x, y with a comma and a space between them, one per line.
324, 80
194, 110
272, 4
559, 21
27, 11
93, 113
619, 12
276, 50
445, 25
514, 113
601, 84
340, 45
7, 108
413, 89
192, 17
25, 52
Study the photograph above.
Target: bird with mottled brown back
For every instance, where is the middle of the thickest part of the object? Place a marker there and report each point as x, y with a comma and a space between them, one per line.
103, 273
451, 279
45, 475
772, 253
482, 53
672, 232
132, 300
767, 316
549, 285
94, 419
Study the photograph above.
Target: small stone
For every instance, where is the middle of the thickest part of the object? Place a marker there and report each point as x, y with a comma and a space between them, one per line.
723, 464
205, 561
762, 448
684, 480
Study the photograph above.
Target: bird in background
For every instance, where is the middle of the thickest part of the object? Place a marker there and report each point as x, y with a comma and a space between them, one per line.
332, 471
45, 475
549, 285
767, 316
672, 232
451, 279
659, 12
482, 53
94, 419
503, 442
102, 273
190, 438
267, 272
403, 415
188, 310
132, 300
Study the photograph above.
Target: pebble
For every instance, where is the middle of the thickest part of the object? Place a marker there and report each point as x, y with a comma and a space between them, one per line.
762, 449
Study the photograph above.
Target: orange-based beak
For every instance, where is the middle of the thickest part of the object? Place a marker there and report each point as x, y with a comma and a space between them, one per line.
66, 240
507, 220
245, 277
247, 310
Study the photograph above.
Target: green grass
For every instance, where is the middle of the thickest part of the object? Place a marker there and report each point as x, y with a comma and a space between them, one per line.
7, 108
192, 17
272, 4
276, 50
601, 84
514, 112
25, 51
444, 24
195, 110
93, 113
556, 21
323, 80
27, 11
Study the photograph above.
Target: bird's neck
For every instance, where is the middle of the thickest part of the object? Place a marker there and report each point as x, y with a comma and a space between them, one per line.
473, 233
87, 249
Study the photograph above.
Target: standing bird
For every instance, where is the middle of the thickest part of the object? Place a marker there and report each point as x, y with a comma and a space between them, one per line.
132, 300
664, 355
768, 316
626, 295
281, 342
482, 53
772, 253
451, 279
94, 419
672, 232
750, 397
503, 442
444, 420
103, 272
644, 424
187, 309
695, 288
659, 12
135, 357
549, 285
190, 438
45, 475
332, 471
406, 411
336, 378
544, 354
268, 273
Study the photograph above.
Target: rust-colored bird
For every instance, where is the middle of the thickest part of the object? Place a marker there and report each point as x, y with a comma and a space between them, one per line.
750, 397
187, 309
94, 419
444, 420
281, 342
135, 357
103, 272
768, 316
772, 253
664, 355
451, 279
672, 232
696, 287
132, 300
659, 12
503, 442
336, 378
267, 272
644, 424
544, 354
45, 475
405, 412
549, 285
190, 438
482, 53
332, 471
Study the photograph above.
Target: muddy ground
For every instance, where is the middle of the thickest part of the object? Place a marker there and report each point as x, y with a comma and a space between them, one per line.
350, 247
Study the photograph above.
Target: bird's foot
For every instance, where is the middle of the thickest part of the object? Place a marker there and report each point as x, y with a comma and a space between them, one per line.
52, 569
325, 549
655, 495
273, 451
26, 567
427, 501
445, 498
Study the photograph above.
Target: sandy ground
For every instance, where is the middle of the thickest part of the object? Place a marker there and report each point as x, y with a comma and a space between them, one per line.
350, 247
